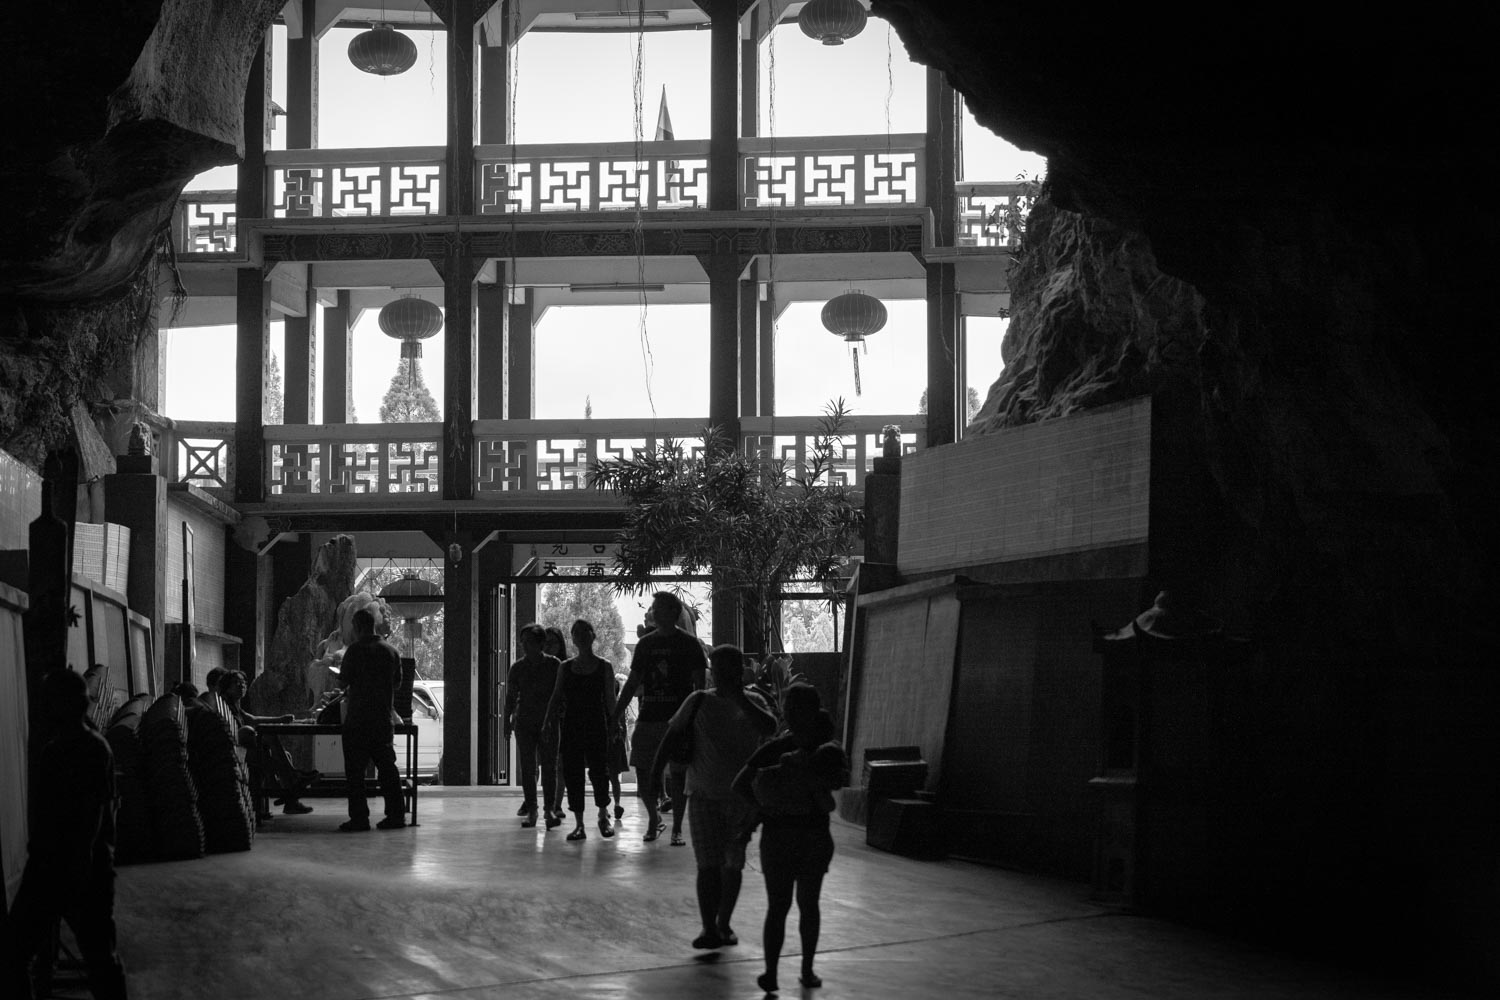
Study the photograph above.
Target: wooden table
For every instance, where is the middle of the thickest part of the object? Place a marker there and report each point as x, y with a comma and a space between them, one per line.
329, 788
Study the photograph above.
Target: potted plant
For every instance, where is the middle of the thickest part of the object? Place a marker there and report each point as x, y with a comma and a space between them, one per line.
751, 521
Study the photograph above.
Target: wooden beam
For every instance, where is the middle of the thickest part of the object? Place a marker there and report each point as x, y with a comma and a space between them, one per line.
489, 236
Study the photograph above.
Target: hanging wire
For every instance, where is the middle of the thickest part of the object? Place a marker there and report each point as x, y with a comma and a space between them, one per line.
637, 94
513, 73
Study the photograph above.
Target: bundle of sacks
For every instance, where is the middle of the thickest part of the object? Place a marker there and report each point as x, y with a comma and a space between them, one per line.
183, 785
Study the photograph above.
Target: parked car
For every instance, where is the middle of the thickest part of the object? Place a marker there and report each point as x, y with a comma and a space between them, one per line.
426, 715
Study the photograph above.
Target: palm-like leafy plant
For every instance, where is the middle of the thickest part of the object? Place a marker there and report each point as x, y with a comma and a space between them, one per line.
752, 522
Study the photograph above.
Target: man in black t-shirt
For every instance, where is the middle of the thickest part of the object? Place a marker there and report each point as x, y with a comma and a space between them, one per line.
668, 665
370, 674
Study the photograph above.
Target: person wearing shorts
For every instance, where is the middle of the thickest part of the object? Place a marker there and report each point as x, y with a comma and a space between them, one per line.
790, 780
668, 665
723, 727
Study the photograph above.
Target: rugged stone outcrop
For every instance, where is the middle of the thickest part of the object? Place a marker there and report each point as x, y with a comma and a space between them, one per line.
302, 623
1273, 221
114, 108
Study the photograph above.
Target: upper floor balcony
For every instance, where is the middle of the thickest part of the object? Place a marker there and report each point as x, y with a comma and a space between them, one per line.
821, 174
518, 463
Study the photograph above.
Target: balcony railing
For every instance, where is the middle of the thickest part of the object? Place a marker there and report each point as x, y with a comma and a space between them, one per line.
355, 183
204, 222
549, 455
592, 177
200, 453
389, 461
789, 439
992, 214
808, 173
849, 171
402, 462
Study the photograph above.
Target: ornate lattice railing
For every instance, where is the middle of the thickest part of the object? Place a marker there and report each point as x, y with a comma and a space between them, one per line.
200, 453
850, 171
592, 177
204, 222
546, 455
339, 460
860, 441
354, 183
992, 213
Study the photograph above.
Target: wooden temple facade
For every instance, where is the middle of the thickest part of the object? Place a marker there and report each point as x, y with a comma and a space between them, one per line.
495, 232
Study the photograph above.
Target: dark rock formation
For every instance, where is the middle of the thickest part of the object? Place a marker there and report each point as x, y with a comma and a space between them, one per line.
114, 108
1273, 221
302, 623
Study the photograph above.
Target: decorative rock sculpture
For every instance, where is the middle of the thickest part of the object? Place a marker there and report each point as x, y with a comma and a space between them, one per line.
302, 623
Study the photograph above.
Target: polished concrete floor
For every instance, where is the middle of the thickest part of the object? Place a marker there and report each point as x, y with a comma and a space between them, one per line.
469, 906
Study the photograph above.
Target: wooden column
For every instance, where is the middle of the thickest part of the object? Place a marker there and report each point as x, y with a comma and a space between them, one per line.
299, 375
138, 500
252, 299
251, 295
337, 374
302, 83
250, 196
458, 374
494, 84
724, 105
519, 339
49, 585
462, 89
750, 371
724, 342
766, 330
944, 395
460, 669
240, 598
490, 301
723, 393
491, 563
750, 75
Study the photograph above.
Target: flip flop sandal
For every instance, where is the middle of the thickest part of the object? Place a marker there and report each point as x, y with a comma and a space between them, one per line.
652, 834
578, 834
677, 840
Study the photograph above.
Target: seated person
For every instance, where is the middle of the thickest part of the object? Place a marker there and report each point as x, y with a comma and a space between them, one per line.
265, 755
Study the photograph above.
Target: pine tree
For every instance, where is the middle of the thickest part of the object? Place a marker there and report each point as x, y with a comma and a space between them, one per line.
408, 400
972, 402
560, 603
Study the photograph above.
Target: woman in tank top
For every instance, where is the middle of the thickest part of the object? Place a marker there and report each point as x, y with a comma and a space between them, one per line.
584, 700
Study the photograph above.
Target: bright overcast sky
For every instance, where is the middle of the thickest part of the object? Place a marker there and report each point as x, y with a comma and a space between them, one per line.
874, 88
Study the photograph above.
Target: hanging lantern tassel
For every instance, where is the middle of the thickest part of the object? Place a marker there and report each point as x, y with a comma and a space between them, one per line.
854, 316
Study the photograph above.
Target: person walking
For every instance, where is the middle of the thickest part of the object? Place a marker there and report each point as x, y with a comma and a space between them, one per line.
791, 781
668, 665
721, 729
528, 689
584, 698
370, 673
555, 645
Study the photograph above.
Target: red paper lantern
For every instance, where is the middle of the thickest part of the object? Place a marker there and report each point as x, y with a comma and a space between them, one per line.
383, 51
410, 320
854, 316
832, 21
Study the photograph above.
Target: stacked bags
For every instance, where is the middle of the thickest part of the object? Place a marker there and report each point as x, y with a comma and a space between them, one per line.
133, 819
172, 797
225, 802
